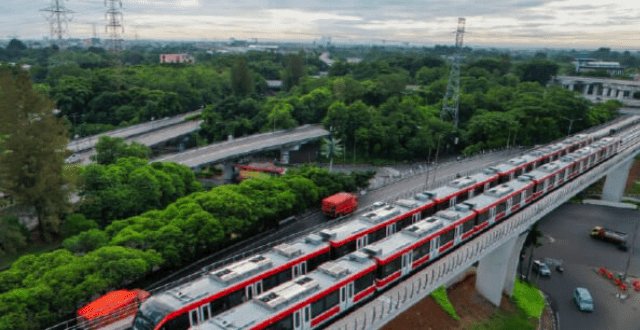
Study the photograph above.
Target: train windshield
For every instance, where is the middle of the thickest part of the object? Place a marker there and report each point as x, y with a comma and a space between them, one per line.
149, 315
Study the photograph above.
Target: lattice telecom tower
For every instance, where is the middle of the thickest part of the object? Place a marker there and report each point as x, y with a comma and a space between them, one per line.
58, 19
114, 24
451, 99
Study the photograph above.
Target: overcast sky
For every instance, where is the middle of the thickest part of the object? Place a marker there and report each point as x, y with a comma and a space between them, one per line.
526, 23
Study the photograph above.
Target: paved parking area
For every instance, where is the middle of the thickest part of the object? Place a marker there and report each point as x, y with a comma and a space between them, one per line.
566, 237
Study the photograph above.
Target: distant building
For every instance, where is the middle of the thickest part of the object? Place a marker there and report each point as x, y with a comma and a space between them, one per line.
274, 84
592, 64
177, 58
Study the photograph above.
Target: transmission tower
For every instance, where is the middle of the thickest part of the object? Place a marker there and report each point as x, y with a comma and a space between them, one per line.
452, 96
114, 24
58, 18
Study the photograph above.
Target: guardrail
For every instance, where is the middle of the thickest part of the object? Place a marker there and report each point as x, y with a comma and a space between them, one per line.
393, 302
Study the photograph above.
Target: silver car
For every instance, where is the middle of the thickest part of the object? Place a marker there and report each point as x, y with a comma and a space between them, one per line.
583, 299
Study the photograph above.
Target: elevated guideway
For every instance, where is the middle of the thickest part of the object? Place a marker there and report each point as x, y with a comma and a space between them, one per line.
496, 251
284, 141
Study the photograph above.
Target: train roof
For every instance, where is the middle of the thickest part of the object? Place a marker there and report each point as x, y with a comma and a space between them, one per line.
267, 304
390, 245
366, 220
456, 185
225, 277
490, 196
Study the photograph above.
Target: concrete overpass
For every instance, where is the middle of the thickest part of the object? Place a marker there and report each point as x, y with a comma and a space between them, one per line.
225, 152
602, 89
496, 251
149, 133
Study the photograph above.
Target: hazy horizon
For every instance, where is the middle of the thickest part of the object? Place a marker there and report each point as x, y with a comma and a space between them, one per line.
560, 24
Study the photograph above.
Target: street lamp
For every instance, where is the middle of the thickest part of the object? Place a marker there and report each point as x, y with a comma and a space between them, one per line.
570, 123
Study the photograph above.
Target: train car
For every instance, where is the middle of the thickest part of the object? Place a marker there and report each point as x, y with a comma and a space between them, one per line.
307, 302
461, 189
499, 202
216, 291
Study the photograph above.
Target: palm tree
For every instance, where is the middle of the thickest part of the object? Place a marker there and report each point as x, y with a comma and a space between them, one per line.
330, 148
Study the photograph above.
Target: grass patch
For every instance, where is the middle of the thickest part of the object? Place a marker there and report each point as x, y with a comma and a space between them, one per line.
506, 321
441, 298
529, 299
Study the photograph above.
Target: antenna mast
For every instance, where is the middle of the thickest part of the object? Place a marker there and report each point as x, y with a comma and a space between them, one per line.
114, 24
58, 20
451, 99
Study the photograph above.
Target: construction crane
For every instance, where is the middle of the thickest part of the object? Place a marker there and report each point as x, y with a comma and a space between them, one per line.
451, 100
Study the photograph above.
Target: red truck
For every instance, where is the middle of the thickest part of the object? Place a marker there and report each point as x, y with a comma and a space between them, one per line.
339, 204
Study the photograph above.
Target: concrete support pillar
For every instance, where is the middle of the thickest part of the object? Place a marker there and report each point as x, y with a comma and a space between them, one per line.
605, 92
586, 89
512, 267
572, 86
228, 172
284, 153
615, 183
492, 272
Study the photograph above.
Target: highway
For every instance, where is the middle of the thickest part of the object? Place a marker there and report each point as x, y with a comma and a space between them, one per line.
89, 142
156, 137
235, 148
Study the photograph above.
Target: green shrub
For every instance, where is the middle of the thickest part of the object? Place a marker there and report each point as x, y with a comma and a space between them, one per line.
441, 298
529, 299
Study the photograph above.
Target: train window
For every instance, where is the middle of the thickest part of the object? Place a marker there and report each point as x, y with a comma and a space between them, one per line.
205, 312
528, 192
515, 199
378, 235
504, 178
324, 304
467, 226
177, 323
421, 251
463, 197
194, 317
344, 250
284, 324
296, 320
501, 207
306, 314
363, 282
552, 180
402, 224
314, 262
447, 237
270, 282
539, 187
529, 167
389, 268
428, 212
236, 298
483, 217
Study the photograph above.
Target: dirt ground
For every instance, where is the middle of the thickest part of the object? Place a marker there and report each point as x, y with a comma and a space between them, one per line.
470, 306
634, 173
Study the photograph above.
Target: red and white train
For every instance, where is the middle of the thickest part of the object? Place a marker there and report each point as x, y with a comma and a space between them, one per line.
319, 296
194, 302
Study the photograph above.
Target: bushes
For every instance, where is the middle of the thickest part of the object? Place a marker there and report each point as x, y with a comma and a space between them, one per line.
440, 296
127, 249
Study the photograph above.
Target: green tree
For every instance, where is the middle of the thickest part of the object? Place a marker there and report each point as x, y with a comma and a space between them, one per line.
110, 149
31, 170
294, 70
12, 235
280, 116
241, 79
538, 70
76, 223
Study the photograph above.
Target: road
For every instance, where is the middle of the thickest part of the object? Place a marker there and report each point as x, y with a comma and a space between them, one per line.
567, 237
315, 218
244, 146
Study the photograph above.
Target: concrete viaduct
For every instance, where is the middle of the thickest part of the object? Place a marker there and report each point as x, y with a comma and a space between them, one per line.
496, 252
602, 89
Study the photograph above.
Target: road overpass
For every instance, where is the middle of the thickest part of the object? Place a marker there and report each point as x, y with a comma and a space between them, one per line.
496, 251
149, 133
224, 152
602, 89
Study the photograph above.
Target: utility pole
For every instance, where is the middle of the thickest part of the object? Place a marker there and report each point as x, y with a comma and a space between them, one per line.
114, 24
58, 20
450, 103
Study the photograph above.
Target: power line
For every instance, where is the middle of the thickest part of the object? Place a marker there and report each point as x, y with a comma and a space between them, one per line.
450, 103
114, 25
58, 19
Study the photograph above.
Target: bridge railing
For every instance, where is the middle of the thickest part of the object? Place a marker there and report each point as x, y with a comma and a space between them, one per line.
393, 302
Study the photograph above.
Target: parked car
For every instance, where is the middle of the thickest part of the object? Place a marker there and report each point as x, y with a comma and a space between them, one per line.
541, 268
583, 299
